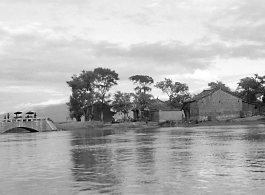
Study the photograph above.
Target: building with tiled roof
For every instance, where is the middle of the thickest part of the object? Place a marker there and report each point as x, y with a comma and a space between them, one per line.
213, 104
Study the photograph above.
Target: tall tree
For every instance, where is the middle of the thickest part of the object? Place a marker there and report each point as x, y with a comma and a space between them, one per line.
83, 86
249, 87
219, 84
122, 102
141, 97
177, 92
104, 80
143, 83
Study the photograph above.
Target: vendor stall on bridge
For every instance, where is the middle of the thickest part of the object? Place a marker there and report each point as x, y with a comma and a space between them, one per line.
18, 114
31, 114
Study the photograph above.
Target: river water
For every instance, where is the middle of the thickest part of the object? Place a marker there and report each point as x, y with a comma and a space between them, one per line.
197, 160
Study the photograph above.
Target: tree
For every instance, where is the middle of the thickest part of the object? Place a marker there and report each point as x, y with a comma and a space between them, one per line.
83, 93
177, 92
104, 80
75, 106
143, 83
249, 87
219, 84
142, 100
141, 96
122, 102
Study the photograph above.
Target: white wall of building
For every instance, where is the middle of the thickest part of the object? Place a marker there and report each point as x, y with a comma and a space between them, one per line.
174, 115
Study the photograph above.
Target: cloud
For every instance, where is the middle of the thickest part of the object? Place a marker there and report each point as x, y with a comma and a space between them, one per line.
158, 53
233, 85
47, 55
30, 106
36, 61
37, 55
142, 19
239, 24
26, 89
202, 75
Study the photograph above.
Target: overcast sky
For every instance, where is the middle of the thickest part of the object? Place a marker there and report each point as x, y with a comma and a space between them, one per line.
44, 42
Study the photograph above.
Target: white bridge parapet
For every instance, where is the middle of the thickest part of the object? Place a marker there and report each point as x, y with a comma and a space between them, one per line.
31, 124
24, 119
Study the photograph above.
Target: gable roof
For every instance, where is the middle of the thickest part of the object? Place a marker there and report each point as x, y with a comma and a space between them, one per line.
207, 92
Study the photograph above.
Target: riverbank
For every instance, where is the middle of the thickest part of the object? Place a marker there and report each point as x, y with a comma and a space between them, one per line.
237, 121
139, 125
97, 124
66, 126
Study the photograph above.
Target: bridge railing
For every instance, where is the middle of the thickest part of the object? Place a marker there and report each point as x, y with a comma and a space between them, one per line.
24, 120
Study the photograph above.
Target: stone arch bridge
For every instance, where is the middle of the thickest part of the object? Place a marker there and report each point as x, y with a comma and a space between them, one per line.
30, 124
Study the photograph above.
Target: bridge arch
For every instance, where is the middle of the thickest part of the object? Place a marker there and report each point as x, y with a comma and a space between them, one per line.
20, 129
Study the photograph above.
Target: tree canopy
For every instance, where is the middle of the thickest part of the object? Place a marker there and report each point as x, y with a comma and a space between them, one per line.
219, 84
89, 87
177, 92
142, 100
83, 94
143, 83
141, 96
249, 87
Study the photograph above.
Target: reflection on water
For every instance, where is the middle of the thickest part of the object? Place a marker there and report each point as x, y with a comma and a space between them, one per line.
92, 166
198, 160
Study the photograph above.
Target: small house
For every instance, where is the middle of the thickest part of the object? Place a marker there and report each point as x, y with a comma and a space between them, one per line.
107, 113
250, 109
213, 104
159, 111
119, 116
